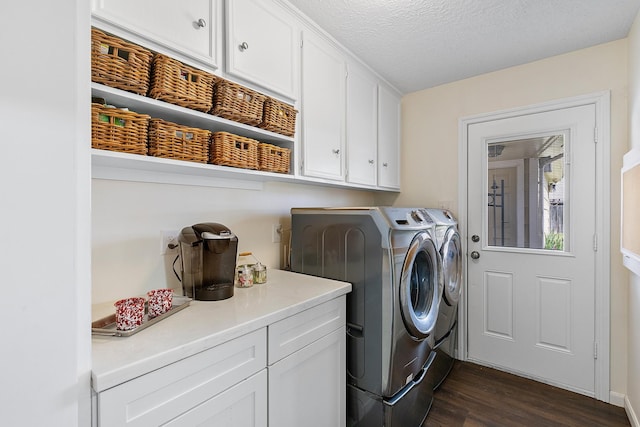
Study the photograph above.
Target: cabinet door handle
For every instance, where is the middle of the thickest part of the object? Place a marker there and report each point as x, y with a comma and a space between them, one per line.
243, 46
201, 23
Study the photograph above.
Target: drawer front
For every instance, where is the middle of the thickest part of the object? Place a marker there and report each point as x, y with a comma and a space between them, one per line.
243, 405
293, 333
162, 395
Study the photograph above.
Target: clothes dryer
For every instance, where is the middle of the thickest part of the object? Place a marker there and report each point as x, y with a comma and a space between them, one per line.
390, 257
446, 332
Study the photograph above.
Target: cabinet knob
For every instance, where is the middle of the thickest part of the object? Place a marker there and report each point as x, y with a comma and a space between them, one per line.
243, 46
385, 165
336, 151
202, 23
370, 162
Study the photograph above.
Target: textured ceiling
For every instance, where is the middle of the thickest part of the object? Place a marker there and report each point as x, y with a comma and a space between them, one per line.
417, 44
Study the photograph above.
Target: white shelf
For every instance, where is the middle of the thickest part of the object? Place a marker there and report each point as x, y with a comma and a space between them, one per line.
132, 167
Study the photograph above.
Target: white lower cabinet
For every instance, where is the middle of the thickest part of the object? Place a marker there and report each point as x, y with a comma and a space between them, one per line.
290, 373
307, 368
307, 388
181, 387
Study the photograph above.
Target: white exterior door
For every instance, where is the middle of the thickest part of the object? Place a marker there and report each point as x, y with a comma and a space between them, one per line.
531, 253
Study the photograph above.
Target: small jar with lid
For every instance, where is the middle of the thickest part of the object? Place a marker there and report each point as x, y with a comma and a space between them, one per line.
244, 270
259, 273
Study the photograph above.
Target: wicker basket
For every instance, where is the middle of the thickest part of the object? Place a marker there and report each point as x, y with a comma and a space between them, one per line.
272, 158
173, 141
235, 102
228, 149
180, 84
118, 63
118, 130
278, 117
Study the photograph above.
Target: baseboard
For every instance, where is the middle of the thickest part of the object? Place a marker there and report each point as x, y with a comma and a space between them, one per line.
631, 414
617, 399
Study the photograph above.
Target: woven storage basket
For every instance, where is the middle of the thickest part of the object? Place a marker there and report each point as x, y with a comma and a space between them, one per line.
173, 141
278, 117
118, 63
228, 149
273, 158
235, 102
179, 84
118, 130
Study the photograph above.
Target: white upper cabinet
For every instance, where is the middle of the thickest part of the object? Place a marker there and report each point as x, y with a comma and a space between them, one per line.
323, 108
262, 44
362, 126
189, 27
388, 138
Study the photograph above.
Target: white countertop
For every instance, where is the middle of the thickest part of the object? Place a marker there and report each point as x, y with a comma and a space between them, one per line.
205, 324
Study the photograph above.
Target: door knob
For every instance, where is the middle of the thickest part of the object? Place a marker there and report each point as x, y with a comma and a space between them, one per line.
475, 238
475, 254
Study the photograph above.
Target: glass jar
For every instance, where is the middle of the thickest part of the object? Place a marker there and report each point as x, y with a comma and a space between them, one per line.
244, 270
259, 273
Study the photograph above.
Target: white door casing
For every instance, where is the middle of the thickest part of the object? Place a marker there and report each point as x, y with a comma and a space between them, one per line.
547, 289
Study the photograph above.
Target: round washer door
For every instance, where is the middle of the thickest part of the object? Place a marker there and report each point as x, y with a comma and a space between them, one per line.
451, 254
421, 286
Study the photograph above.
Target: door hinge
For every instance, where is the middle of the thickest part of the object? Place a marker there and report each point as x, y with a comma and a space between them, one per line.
595, 350
595, 135
595, 243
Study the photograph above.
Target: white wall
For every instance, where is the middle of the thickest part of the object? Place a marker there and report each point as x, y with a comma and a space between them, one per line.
128, 217
430, 143
633, 367
44, 211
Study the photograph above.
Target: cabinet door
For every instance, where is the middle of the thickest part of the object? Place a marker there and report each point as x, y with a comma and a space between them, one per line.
388, 139
323, 108
188, 27
362, 130
262, 44
308, 388
243, 405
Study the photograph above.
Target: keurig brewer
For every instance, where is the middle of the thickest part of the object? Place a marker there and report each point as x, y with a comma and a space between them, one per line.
208, 253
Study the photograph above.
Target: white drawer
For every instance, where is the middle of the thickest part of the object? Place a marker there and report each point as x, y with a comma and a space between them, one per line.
295, 332
159, 396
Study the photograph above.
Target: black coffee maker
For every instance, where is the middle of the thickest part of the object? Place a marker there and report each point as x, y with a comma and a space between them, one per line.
208, 252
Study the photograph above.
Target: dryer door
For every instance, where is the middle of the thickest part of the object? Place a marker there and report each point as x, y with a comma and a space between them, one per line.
421, 286
451, 253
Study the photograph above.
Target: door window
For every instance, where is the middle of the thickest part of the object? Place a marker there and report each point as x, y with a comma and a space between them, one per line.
528, 193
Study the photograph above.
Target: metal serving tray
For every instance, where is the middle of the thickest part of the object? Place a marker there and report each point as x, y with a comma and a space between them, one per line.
107, 325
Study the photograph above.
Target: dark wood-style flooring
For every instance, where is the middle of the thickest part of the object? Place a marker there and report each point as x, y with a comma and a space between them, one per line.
474, 396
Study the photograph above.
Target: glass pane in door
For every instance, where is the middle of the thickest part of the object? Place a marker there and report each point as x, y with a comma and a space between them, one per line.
527, 193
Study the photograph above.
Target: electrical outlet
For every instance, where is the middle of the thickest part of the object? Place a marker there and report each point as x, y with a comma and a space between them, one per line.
169, 242
276, 233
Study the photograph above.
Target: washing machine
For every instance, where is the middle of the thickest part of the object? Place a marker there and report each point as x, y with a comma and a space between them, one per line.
389, 255
446, 331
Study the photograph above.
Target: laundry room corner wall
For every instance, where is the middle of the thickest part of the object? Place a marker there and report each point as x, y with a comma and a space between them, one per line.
632, 402
430, 120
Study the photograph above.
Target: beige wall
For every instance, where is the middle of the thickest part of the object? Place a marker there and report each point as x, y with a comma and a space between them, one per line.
430, 143
127, 218
633, 360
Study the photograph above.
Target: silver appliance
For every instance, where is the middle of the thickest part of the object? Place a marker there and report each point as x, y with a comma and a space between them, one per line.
446, 332
390, 257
